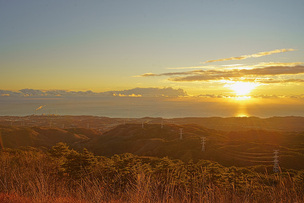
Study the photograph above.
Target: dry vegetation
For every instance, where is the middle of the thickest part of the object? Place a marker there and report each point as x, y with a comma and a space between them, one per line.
64, 175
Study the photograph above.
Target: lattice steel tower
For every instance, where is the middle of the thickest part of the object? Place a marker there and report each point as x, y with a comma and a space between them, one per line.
276, 167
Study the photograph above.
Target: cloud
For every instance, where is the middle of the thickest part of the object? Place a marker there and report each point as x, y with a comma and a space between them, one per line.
147, 75
280, 81
206, 75
150, 92
131, 95
196, 78
213, 96
258, 96
168, 74
51, 93
266, 64
136, 92
31, 92
9, 93
274, 70
260, 54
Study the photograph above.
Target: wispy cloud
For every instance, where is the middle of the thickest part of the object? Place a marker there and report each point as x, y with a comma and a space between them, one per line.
271, 96
218, 75
265, 64
260, 54
280, 81
169, 74
274, 70
207, 75
146, 75
149, 92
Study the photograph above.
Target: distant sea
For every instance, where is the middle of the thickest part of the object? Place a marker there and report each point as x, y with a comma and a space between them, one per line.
141, 107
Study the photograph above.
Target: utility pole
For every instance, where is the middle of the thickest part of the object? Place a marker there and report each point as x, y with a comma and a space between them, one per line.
203, 142
162, 124
142, 125
276, 167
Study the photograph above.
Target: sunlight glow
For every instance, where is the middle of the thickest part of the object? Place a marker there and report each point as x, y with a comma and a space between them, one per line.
242, 88
242, 115
242, 98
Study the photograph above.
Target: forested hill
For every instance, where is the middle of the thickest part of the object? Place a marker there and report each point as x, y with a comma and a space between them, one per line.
13, 137
230, 148
238, 148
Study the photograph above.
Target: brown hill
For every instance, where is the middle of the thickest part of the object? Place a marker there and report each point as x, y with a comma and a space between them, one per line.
13, 137
239, 148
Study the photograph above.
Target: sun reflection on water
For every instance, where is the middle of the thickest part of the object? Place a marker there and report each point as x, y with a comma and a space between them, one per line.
242, 115
242, 110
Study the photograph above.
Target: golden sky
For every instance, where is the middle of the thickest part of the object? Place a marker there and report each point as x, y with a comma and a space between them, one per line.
210, 49
284, 78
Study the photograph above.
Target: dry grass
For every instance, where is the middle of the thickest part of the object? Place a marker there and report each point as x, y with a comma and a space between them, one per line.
33, 177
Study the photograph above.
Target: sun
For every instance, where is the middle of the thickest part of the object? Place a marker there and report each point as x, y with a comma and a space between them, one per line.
242, 88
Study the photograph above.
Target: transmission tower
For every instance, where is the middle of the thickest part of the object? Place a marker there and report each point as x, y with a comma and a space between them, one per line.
180, 133
203, 142
276, 168
1, 144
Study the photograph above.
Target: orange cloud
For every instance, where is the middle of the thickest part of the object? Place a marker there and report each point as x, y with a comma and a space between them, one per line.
207, 75
260, 54
266, 64
235, 73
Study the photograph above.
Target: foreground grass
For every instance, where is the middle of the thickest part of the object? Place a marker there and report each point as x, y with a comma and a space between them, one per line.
64, 175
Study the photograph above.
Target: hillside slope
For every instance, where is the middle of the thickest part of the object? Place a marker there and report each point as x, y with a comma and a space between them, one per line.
239, 148
13, 137
229, 148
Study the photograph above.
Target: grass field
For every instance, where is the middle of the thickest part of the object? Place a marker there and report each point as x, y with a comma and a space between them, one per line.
64, 175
